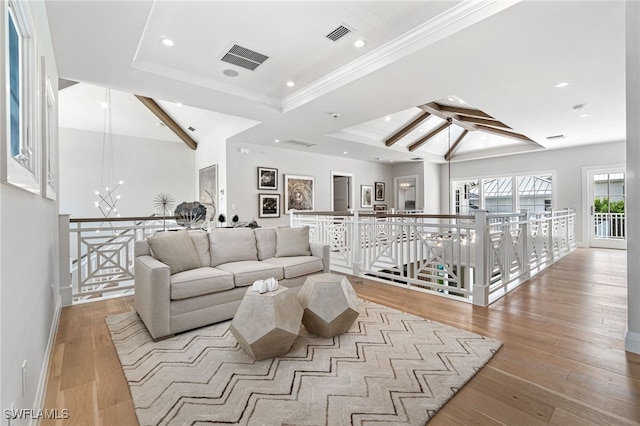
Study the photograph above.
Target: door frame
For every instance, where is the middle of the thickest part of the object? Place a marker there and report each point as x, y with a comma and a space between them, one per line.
587, 200
352, 195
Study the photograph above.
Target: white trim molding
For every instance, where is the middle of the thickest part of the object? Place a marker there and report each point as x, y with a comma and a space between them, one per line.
632, 342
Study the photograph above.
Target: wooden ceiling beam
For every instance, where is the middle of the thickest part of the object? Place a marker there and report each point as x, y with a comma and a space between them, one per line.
408, 128
417, 144
455, 145
168, 121
484, 121
508, 134
463, 111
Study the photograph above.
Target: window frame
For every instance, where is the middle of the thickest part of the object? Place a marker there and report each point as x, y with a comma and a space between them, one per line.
22, 169
515, 193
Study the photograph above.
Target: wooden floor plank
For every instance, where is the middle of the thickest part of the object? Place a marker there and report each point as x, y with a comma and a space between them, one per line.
562, 363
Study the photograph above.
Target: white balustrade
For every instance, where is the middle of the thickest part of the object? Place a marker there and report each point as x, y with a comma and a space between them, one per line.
100, 254
476, 258
609, 225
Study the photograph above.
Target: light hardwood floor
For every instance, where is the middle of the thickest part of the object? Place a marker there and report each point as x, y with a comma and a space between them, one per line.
563, 360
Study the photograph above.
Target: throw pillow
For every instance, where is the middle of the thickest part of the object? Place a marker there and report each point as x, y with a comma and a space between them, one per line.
175, 249
292, 241
266, 242
232, 245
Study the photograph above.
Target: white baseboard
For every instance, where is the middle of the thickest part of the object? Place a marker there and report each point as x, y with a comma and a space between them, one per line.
44, 371
632, 342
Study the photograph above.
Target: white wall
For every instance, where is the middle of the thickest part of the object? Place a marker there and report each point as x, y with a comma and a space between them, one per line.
632, 37
242, 178
565, 164
212, 149
29, 285
147, 167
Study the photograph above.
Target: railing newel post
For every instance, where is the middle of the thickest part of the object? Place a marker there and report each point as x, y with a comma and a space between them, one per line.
480, 288
356, 244
525, 249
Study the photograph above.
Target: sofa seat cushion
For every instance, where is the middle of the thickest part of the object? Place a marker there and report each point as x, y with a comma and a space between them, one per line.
247, 271
297, 266
198, 282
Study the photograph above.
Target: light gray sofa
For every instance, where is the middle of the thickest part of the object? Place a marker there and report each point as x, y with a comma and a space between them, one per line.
185, 280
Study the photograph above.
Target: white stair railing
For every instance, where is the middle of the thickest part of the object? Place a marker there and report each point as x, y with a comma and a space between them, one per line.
476, 258
100, 254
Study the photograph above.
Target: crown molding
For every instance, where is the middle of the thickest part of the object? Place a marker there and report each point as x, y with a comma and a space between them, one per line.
451, 21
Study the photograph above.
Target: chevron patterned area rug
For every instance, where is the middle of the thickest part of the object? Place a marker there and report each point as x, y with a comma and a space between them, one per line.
390, 368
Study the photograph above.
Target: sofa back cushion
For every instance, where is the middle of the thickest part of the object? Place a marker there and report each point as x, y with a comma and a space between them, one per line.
266, 242
232, 245
200, 240
292, 241
175, 249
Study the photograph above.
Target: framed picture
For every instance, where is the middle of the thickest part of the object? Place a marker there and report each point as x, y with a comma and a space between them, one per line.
366, 196
267, 178
299, 192
380, 207
269, 205
208, 182
379, 191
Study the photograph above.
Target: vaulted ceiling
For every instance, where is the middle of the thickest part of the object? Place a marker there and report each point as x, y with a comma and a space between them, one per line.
502, 58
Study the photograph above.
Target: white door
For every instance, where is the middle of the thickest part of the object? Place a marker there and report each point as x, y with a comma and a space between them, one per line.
607, 218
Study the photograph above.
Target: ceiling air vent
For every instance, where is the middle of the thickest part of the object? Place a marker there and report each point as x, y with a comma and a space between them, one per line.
243, 57
555, 137
338, 33
300, 144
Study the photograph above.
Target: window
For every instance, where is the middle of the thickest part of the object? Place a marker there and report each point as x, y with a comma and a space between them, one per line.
467, 197
504, 194
498, 195
21, 160
534, 193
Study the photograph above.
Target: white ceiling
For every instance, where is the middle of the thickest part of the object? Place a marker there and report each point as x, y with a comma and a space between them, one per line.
501, 57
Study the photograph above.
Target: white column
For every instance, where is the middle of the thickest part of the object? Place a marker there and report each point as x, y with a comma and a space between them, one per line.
632, 37
66, 289
480, 288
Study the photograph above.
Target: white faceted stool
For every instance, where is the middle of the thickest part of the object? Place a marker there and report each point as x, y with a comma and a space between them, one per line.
330, 304
266, 325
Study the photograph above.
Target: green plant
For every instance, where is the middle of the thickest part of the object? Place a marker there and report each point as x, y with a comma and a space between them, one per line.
603, 205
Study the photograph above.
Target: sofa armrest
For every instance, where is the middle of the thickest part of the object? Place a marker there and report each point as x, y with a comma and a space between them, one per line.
153, 295
323, 253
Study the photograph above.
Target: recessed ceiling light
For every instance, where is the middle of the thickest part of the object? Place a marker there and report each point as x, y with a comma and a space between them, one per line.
290, 83
167, 42
276, 140
359, 43
387, 118
562, 84
179, 105
583, 115
391, 161
230, 73
344, 152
